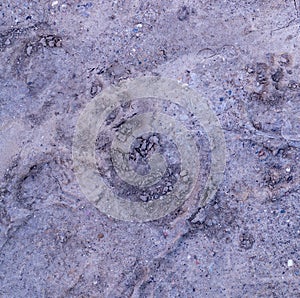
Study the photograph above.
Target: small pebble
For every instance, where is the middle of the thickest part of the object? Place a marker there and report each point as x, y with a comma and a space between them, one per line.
183, 173
249, 69
29, 50
51, 43
144, 198
154, 139
284, 59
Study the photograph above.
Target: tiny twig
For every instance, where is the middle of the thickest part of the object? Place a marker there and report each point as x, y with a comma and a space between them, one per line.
283, 27
296, 8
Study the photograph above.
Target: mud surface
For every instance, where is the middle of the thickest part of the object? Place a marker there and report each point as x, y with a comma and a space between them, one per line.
242, 57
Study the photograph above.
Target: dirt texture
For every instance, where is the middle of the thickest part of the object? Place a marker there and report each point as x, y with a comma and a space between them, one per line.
242, 57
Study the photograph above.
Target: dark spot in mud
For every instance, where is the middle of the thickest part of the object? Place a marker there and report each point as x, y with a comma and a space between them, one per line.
96, 88
262, 73
51, 41
285, 59
215, 219
183, 13
246, 240
42, 115
278, 75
